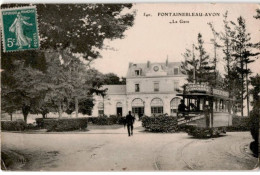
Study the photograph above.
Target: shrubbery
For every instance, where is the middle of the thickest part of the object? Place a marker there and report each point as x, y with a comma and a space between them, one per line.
160, 123
111, 120
254, 129
63, 124
40, 121
239, 124
18, 125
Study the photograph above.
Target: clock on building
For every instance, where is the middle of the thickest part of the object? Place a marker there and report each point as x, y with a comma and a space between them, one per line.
155, 68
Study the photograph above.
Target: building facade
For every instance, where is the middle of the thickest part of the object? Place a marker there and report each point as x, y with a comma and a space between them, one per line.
150, 89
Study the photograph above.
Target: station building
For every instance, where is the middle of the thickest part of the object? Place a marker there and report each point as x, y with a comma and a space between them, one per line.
150, 90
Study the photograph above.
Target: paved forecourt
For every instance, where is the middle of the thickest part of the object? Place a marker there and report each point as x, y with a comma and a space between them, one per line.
113, 150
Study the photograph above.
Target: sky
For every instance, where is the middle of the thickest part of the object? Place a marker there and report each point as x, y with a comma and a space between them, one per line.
154, 38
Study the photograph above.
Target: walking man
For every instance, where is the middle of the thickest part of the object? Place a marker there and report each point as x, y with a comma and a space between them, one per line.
129, 122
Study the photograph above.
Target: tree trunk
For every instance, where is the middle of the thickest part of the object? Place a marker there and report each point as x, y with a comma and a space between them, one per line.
76, 106
242, 93
60, 110
43, 115
194, 66
11, 115
25, 110
247, 94
215, 61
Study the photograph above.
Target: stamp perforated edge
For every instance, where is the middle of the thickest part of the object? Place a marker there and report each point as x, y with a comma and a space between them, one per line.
36, 22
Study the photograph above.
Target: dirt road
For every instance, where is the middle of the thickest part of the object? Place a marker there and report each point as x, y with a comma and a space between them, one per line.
115, 151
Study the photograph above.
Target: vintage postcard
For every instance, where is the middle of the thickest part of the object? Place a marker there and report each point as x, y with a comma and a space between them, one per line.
130, 87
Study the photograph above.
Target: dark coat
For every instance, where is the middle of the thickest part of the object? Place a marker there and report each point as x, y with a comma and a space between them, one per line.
129, 120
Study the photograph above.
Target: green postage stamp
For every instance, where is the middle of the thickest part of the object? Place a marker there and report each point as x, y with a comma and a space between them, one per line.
20, 29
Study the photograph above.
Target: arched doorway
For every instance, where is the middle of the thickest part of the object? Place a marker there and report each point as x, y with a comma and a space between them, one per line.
156, 106
174, 105
119, 109
138, 107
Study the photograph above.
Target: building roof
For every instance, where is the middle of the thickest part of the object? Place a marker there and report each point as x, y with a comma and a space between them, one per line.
146, 68
115, 89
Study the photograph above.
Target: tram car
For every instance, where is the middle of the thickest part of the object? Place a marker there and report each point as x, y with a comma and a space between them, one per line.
206, 112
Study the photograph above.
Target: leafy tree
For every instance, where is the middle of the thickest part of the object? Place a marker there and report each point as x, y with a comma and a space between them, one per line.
255, 82
8, 104
198, 64
226, 43
254, 114
84, 84
215, 59
123, 80
242, 54
65, 29
71, 82
257, 14
82, 27
205, 65
226, 38
25, 92
56, 78
113, 79
189, 66
85, 106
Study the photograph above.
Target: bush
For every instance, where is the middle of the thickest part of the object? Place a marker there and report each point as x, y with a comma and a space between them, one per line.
99, 120
160, 123
254, 129
111, 120
239, 124
254, 124
63, 124
40, 122
18, 125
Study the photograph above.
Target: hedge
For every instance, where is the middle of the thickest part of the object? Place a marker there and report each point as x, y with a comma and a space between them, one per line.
62, 124
18, 125
239, 124
40, 121
160, 123
111, 120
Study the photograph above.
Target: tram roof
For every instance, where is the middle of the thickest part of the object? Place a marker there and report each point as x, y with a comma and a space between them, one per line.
196, 95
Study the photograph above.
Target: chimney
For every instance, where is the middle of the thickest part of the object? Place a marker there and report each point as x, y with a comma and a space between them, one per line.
167, 61
130, 64
148, 64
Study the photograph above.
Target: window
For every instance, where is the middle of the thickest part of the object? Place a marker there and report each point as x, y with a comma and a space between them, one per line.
137, 103
174, 104
138, 110
100, 108
137, 72
155, 68
138, 106
176, 85
157, 110
157, 106
137, 88
176, 71
100, 112
119, 108
156, 87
